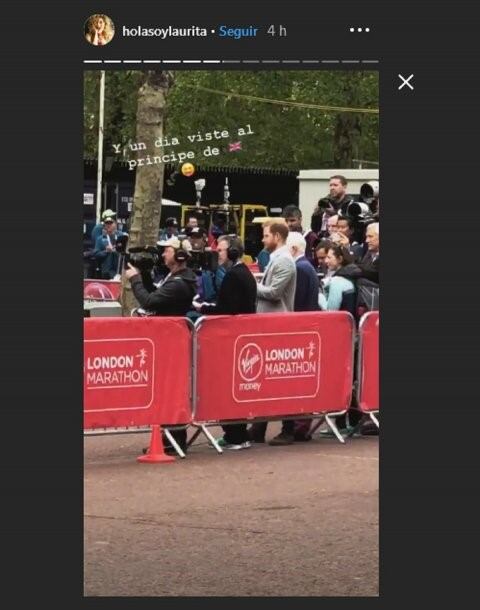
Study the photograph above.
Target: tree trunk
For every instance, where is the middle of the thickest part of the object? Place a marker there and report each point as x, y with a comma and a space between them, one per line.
147, 200
348, 127
347, 131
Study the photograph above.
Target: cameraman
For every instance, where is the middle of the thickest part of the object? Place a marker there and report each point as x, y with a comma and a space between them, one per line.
335, 203
174, 295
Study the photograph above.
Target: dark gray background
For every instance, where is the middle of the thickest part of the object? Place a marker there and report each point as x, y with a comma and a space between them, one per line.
429, 348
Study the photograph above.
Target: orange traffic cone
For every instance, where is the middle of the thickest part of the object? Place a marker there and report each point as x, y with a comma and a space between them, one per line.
156, 453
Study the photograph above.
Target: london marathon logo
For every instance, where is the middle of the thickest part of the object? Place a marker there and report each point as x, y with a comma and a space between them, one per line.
276, 365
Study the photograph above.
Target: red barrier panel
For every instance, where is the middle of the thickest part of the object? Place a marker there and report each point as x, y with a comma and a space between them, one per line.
136, 371
269, 365
102, 290
368, 362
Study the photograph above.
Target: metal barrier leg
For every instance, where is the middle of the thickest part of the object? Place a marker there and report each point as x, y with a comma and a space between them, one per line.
334, 429
173, 442
194, 437
211, 438
375, 420
316, 425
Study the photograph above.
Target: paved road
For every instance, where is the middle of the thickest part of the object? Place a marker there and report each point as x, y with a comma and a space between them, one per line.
269, 521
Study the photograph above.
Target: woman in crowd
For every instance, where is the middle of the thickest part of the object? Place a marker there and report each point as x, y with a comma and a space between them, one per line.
339, 287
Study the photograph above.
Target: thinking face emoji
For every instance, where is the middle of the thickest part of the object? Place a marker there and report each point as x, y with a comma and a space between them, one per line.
188, 169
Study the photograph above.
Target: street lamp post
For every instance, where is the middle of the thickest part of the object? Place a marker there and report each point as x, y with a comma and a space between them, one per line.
100, 145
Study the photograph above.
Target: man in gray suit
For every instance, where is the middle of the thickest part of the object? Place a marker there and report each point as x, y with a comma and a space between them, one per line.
276, 292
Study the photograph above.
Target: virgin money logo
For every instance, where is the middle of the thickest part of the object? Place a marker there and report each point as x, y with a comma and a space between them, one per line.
250, 362
276, 366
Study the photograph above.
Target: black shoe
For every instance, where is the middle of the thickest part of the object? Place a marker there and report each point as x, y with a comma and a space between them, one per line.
282, 439
301, 438
369, 429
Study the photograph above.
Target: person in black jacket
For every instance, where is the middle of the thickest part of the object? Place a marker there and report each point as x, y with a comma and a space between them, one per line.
238, 291
370, 263
306, 288
173, 297
336, 202
238, 294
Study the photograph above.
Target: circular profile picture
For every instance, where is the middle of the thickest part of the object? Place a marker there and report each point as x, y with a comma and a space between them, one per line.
99, 30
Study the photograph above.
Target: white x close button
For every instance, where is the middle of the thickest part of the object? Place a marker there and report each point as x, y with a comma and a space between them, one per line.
405, 81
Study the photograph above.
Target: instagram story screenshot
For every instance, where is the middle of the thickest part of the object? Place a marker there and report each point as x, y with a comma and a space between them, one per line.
213, 178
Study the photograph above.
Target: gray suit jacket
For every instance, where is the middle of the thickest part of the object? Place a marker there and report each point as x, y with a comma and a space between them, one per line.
276, 293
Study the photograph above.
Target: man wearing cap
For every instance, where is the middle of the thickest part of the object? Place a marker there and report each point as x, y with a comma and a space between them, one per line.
174, 295
105, 253
98, 228
197, 236
88, 255
171, 229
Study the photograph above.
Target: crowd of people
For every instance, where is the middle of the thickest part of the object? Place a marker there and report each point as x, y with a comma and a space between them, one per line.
333, 265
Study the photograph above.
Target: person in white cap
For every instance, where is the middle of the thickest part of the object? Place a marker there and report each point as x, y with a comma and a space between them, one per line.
105, 251
99, 227
171, 229
174, 295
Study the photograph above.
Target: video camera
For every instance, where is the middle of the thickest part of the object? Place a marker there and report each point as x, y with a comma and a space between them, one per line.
363, 211
203, 260
324, 203
121, 244
369, 193
144, 258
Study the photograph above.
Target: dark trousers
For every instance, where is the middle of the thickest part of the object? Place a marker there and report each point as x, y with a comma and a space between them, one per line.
354, 415
235, 434
259, 429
